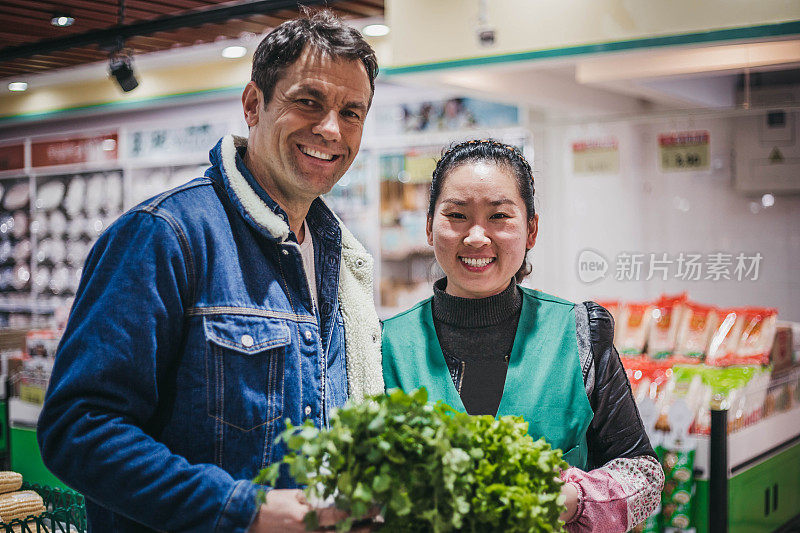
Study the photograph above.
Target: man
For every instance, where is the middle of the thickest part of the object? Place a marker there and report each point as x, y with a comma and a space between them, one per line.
208, 315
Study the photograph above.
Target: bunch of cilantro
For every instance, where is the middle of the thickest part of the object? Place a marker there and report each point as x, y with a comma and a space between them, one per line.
428, 467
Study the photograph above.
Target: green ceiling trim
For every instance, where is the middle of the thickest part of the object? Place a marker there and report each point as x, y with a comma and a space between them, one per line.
749, 32
118, 105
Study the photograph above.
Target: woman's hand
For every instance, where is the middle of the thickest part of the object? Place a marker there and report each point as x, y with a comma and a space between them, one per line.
285, 509
569, 490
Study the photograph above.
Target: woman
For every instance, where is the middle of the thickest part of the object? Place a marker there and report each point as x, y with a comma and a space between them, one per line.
485, 345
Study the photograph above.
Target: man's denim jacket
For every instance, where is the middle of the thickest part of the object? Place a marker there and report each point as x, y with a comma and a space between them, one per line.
192, 338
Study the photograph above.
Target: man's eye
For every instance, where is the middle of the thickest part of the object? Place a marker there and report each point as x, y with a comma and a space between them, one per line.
351, 114
307, 102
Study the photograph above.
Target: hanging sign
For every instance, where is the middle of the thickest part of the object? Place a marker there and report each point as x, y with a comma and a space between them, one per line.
12, 157
595, 156
166, 142
685, 150
74, 150
419, 167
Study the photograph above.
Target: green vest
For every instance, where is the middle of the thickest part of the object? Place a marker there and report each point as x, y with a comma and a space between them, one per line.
544, 383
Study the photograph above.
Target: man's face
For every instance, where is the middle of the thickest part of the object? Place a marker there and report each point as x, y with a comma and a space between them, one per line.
308, 134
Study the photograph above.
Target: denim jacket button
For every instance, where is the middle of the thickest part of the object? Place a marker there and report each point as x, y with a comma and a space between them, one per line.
374, 337
247, 341
308, 335
285, 251
359, 263
307, 410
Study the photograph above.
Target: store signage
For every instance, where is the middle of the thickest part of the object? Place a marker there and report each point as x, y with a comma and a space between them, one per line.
31, 394
166, 142
12, 157
595, 156
75, 150
419, 167
685, 150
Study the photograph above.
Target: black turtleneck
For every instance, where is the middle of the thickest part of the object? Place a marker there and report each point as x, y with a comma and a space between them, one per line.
476, 336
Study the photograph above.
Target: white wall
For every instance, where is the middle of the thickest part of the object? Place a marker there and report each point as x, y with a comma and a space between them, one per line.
642, 209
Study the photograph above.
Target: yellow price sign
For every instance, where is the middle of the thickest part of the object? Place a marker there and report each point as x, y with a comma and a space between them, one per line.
419, 167
31, 394
595, 157
686, 150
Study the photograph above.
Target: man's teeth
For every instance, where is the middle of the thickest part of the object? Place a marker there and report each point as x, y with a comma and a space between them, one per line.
477, 262
315, 153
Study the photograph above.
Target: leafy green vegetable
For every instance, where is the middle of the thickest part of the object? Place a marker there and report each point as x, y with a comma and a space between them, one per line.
429, 467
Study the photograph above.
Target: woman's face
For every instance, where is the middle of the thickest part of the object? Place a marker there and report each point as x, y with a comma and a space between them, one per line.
480, 230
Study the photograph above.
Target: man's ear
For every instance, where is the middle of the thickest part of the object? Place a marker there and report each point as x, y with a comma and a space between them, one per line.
533, 231
252, 103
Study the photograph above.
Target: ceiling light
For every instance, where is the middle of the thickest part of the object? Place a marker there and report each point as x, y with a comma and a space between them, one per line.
62, 21
375, 30
18, 86
232, 52
121, 68
768, 200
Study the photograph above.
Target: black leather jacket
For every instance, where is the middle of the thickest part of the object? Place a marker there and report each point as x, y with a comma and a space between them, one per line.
616, 429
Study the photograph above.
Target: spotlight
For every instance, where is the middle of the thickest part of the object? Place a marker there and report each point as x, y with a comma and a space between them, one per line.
122, 69
17, 86
232, 52
375, 30
62, 21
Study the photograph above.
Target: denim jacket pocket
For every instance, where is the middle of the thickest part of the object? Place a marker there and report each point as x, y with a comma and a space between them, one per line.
244, 362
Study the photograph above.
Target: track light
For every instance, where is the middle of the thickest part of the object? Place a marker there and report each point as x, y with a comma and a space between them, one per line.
121, 67
62, 21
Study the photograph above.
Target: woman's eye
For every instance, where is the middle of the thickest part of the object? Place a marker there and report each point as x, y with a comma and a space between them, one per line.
454, 215
499, 216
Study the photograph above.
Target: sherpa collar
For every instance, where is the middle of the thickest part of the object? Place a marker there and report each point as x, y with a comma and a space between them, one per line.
252, 205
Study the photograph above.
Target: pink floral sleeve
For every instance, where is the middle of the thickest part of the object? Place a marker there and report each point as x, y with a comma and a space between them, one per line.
617, 496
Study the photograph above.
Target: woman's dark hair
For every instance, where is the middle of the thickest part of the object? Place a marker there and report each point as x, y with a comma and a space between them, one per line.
487, 150
321, 30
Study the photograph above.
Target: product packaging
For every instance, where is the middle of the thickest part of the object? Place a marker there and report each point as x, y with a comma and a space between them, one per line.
676, 499
758, 333
634, 325
782, 355
725, 338
664, 325
677, 458
694, 332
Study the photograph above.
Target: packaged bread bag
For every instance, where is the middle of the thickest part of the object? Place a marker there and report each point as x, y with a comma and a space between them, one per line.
697, 323
725, 339
634, 325
663, 332
758, 333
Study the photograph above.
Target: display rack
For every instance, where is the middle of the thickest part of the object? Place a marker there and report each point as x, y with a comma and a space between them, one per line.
748, 478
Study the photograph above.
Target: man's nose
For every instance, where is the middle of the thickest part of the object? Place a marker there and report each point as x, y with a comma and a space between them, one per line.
328, 127
476, 237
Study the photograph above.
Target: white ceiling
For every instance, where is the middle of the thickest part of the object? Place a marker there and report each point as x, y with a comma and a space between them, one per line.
661, 79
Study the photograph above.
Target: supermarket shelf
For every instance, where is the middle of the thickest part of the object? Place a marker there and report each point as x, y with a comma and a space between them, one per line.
32, 305
749, 444
23, 414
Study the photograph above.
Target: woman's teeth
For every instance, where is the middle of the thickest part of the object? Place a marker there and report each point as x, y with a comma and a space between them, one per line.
477, 262
317, 154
